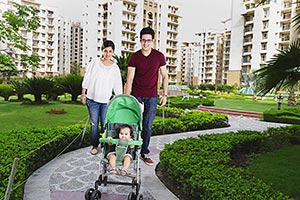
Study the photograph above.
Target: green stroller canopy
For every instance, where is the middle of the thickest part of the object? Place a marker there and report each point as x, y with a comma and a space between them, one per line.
123, 109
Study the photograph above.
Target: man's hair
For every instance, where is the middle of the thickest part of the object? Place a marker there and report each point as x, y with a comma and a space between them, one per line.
147, 30
108, 43
126, 126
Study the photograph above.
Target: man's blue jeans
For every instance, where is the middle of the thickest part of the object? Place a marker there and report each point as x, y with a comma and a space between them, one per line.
149, 113
96, 111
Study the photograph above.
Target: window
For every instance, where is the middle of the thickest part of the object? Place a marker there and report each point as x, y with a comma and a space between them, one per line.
264, 35
264, 46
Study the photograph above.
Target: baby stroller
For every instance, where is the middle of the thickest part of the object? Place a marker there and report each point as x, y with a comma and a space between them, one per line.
122, 109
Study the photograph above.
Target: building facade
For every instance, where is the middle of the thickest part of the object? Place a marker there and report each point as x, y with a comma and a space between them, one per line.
190, 66
50, 41
257, 33
76, 44
121, 22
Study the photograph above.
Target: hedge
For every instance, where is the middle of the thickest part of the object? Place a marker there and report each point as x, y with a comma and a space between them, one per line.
288, 115
203, 166
34, 147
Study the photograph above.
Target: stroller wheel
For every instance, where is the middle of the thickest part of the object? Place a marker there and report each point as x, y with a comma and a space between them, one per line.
96, 195
139, 197
131, 196
88, 193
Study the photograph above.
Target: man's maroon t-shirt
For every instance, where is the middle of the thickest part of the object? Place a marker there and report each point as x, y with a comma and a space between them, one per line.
146, 72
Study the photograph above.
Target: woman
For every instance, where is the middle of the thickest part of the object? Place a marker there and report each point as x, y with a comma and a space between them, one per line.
101, 78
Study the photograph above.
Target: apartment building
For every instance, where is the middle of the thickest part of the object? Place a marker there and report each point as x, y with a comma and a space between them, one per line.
190, 66
204, 61
226, 56
211, 59
76, 43
122, 20
45, 41
257, 34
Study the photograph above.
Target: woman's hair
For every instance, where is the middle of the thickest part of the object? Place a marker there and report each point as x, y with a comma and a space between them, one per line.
147, 30
108, 43
126, 126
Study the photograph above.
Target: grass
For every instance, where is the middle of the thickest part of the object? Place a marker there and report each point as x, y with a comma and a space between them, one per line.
281, 169
248, 104
14, 115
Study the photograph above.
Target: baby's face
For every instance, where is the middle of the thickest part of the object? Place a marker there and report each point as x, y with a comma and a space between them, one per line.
124, 134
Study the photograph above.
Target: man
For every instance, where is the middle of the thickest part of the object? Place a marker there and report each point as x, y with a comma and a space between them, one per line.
142, 79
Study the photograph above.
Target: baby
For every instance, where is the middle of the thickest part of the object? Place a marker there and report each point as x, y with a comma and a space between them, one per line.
125, 132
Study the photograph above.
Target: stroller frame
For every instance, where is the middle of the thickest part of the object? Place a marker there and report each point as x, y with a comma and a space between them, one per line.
119, 106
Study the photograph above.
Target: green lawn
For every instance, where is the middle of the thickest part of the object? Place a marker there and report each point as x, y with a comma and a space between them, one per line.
248, 104
281, 169
14, 115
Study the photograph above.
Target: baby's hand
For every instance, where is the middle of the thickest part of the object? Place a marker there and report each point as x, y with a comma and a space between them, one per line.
109, 138
130, 140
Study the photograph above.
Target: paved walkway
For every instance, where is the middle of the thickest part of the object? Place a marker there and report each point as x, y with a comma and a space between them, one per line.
70, 175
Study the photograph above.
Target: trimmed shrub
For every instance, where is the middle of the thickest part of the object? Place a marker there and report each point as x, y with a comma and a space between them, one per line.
203, 167
34, 147
169, 111
195, 120
168, 125
6, 91
289, 115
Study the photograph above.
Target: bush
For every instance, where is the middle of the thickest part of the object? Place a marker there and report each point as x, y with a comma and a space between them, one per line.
34, 147
203, 167
181, 121
6, 91
207, 102
196, 120
178, 102
169, 111
166, 126
289, 115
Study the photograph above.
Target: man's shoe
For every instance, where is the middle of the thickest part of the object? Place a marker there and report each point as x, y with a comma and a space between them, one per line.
147, 160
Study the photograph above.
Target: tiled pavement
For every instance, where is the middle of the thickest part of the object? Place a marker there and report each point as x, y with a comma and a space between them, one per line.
70, 175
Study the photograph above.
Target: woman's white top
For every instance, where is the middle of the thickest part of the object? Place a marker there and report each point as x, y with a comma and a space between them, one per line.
100, 80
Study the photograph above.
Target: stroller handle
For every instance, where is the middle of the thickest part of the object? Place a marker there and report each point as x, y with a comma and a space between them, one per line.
117, 141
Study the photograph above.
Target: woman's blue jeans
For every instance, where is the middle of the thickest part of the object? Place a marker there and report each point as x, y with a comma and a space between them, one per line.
96, 112
149, 113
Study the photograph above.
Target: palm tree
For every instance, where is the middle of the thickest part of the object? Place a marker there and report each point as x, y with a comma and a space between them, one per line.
38, 86
282, 71
122, 62
72, 85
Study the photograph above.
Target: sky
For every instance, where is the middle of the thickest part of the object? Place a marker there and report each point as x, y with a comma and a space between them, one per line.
197, 15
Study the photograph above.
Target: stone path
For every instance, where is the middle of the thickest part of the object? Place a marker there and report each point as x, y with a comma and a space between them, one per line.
70, 175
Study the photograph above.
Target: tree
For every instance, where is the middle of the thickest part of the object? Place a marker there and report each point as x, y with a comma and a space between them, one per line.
7, 67
38, 86
22, 17
282, 71
72, 85
19, 87
75, 68
122, 62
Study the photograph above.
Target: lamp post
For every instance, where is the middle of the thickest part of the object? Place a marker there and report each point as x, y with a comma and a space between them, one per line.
279, 101
201, 97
